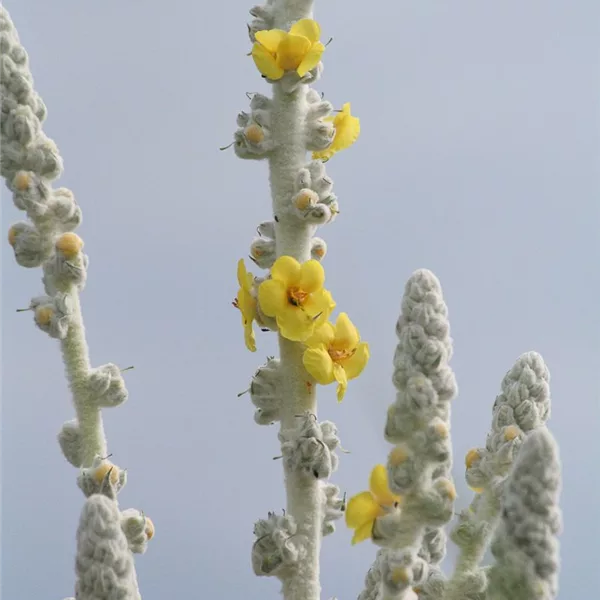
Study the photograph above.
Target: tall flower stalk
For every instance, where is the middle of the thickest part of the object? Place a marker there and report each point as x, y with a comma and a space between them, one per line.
515, 477
30, 162
411, 498
291, 299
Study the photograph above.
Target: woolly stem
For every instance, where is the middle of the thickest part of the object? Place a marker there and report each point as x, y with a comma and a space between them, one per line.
76, 358
293, 239
470, 556
288, 128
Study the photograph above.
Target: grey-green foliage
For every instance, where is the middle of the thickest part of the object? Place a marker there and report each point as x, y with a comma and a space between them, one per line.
525, 545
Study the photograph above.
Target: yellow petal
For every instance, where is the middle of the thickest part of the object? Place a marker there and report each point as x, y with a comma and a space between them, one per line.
249, 337
361, 509
270, 39
265, 62
319, 303
318, 363
345, 112
312, 276
247, 305
241, 272
323, 336
342, 379
364, 532
291, 50
287, 270
378, 484
346, 334
347, 130
357, 362
294, 324
245, 279
272, 297
308, 28
323, 155
311, 59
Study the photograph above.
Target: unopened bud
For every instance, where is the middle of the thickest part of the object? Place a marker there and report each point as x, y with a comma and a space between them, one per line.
43, 315
254, 134
70, 244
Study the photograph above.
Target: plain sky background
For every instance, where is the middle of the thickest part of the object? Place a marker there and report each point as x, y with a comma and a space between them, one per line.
478, 159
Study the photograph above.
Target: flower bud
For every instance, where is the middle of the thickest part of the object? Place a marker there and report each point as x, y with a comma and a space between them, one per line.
254, 134
43, 315
22, 181
70, 244
305, 199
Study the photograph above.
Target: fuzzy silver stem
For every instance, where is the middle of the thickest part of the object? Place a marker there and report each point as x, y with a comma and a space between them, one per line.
293, 239
76, 359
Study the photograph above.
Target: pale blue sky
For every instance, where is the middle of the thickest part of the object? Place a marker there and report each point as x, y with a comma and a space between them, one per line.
478, 159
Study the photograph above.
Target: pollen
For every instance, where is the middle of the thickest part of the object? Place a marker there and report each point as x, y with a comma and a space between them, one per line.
320, 251
339, 355
297, 296
254, 134
70, 244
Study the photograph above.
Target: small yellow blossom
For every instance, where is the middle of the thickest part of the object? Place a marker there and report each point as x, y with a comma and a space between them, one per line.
335, 353
364, 508
276, 51
246, 303
295, 297
347, 130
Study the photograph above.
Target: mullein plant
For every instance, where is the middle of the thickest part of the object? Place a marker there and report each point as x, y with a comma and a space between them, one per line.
410, 500
107, 537
515, 476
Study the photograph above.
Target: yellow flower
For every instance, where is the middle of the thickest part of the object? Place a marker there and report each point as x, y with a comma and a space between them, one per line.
335, 353
276, 51
364, 508
347, 130
246, 303
294, 295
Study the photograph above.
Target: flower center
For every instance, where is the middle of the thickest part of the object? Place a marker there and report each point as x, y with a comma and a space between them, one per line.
339, 355
296, 296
